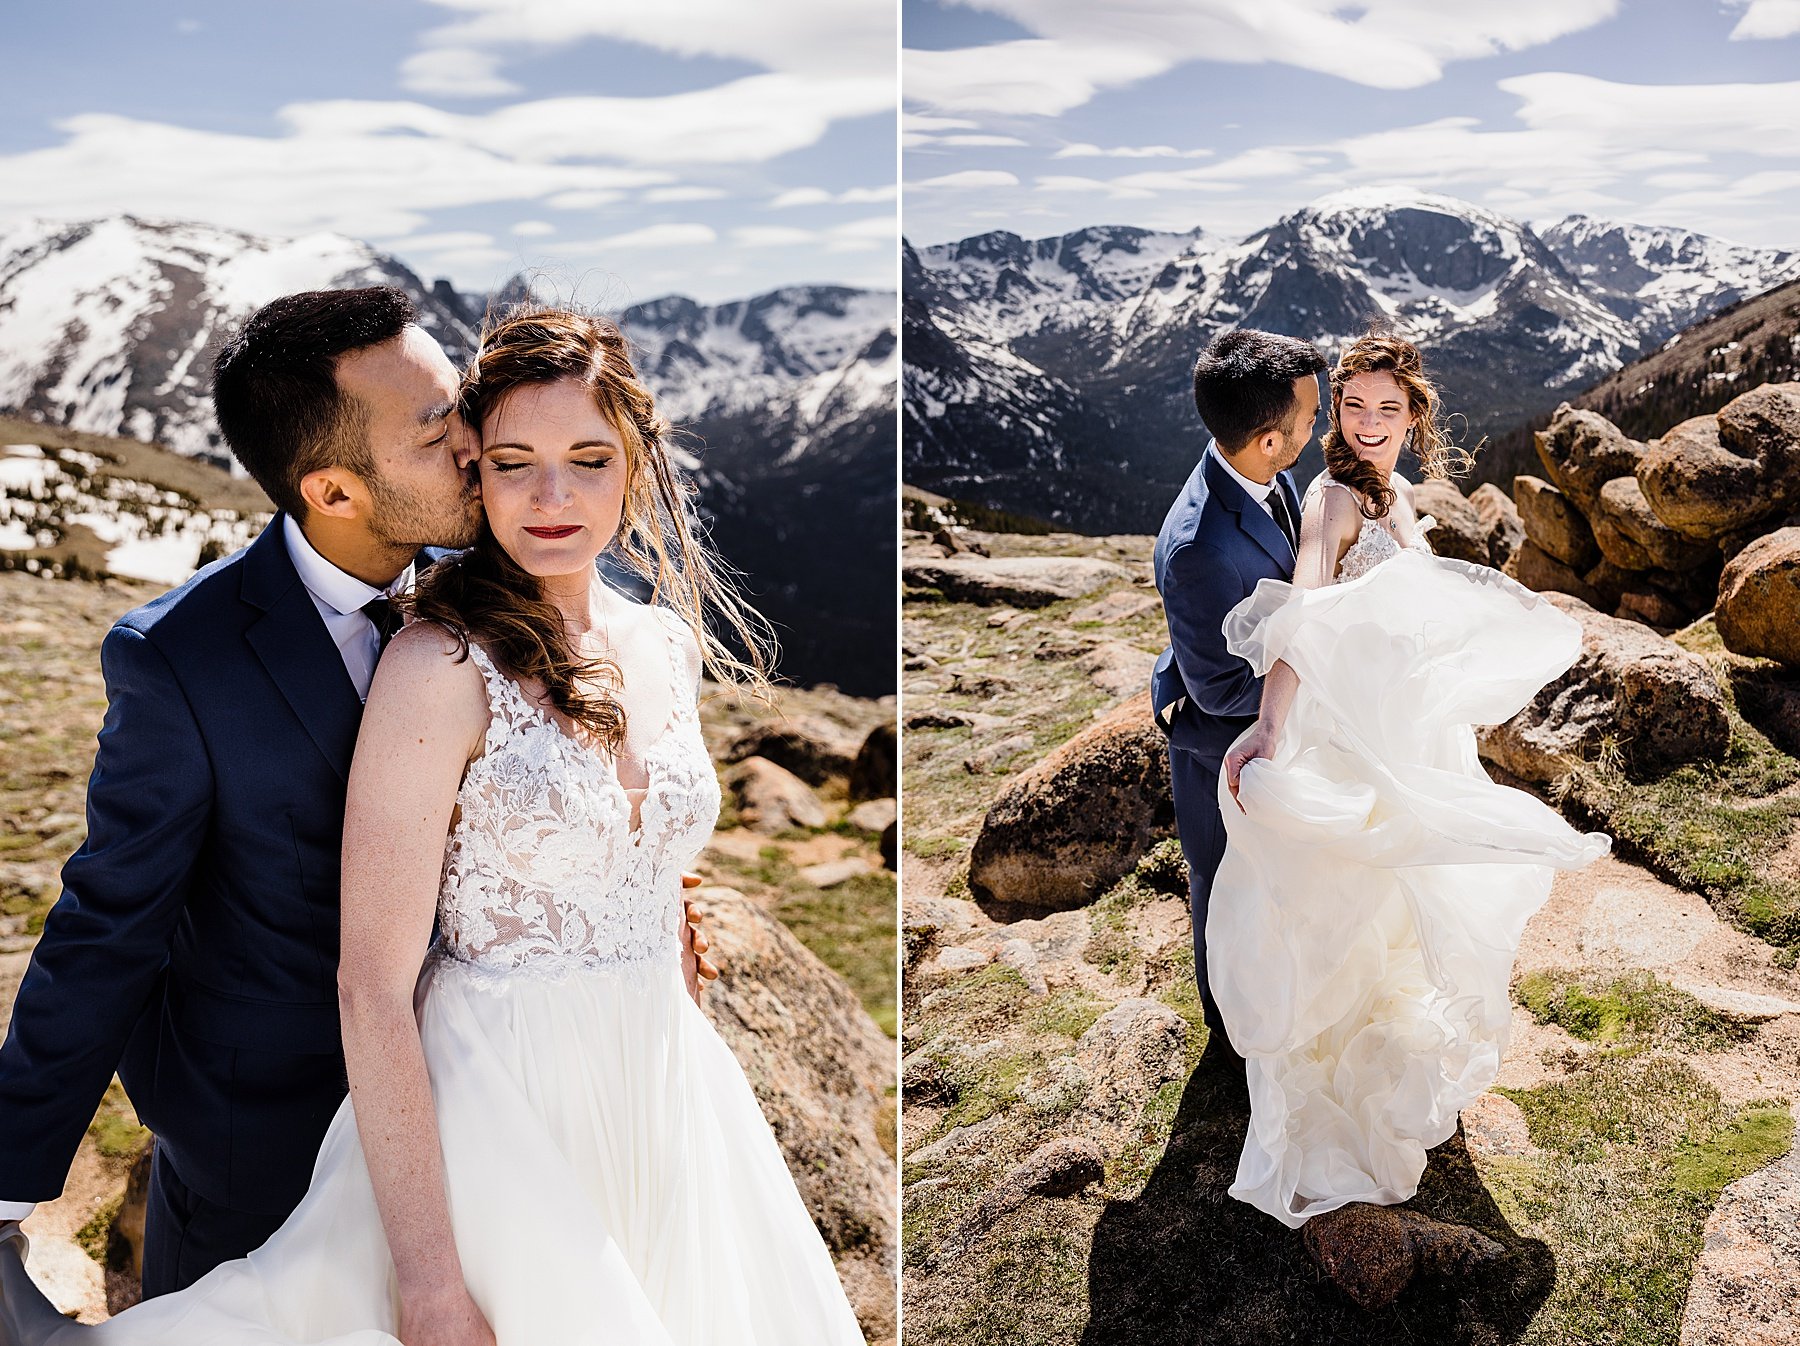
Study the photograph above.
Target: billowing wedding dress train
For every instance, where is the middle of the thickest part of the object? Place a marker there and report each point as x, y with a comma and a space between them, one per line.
1376, 883
611, 1178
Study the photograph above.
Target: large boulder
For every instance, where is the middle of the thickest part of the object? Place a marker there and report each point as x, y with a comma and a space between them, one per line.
874, 774
1700, 486
822, 1071
771, 799
1460, 532
1073, 825
1500, 518
1552, 522
1746, 1286
1582, 451
1764, 423
1759, 599
1630, 535
1629, 686
1021, 581
811, 746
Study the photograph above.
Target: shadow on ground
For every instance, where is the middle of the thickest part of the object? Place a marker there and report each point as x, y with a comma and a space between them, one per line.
1185, 1263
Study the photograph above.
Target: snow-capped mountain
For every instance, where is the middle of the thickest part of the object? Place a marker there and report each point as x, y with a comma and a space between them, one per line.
786, 399
110, 325
1662, 279
1048, 394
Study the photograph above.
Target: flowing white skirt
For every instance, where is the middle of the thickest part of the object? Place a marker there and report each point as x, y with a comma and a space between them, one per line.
1365, 917
611, 1180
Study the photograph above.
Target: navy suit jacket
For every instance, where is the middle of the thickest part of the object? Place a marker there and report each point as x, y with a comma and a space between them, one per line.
1215, 544
194, 948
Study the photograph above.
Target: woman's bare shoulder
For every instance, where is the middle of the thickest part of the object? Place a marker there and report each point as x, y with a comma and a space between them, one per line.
428, 662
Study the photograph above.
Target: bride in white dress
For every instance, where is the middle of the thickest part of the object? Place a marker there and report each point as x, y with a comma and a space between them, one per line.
545, 1143
1376, 882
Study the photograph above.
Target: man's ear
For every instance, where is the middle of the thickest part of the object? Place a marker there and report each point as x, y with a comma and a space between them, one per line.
335, 492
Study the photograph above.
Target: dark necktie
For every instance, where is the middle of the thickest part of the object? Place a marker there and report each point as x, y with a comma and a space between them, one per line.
386, 620
1283, 519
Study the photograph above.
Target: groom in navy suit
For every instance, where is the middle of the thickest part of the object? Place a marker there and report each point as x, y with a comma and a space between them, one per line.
1235, 522
194, 948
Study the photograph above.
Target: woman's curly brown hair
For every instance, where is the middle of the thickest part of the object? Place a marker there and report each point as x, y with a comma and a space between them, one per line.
1439, 457
484, 595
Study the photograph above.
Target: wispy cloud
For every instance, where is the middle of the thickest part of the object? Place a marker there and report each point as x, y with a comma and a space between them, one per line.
1079, 48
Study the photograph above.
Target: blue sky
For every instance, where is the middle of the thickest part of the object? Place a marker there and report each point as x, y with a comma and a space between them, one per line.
1042, 116
707, 147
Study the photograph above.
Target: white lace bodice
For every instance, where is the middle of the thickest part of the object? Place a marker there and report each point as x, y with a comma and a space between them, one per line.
1374, 543
543, 868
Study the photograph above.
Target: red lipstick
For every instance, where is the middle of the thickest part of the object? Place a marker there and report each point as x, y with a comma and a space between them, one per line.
563, 530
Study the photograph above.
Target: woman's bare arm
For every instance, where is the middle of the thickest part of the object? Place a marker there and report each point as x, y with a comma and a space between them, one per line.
425, 718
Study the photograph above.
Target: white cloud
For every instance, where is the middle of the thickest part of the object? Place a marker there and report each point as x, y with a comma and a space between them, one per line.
873, 234
918, 121
453, 72
1079, 48
748, 120
818, 196
336, 175
796, 35
590, 198
1766, 19
664, 195
970, 178
533, 228
650, 236
980, 141
1086, 151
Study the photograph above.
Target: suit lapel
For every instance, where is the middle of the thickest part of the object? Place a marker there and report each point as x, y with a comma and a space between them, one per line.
297, 651
1252, 518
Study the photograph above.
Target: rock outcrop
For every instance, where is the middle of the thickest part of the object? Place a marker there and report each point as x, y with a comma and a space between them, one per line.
1021, 581
821, 1070
771, 799
1630, 690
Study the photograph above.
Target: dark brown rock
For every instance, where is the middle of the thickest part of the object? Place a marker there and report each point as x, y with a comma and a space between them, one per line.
1372, 1253
1552, 522
1700, 486
1536, 569
1076, 823
1652, 607
1061, 1167
1460, 533
1759, 599
1659, 704
1582, 451
874, 775
1500, 517
812, 747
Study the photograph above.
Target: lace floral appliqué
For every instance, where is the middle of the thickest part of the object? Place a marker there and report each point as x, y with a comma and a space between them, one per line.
543, 869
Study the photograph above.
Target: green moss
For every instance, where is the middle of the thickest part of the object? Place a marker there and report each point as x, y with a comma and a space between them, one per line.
850, 926
1635, 1149
1631, 1011
1758, 1135
1068, 1013
1716, 828
935, 847
115, 1129
96, 1236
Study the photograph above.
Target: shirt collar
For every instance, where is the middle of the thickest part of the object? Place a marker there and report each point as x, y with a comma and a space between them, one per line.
337, 590
1256, 490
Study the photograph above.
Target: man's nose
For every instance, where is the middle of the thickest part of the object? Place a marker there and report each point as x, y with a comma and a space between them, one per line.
465, 443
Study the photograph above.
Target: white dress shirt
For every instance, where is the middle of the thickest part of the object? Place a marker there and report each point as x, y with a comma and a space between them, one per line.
339, 598
1259, 491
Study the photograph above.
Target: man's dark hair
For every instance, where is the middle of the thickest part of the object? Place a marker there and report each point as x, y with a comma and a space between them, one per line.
1244, 383
275, 385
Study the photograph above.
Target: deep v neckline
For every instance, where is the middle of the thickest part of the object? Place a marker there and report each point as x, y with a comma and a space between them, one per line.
593, 755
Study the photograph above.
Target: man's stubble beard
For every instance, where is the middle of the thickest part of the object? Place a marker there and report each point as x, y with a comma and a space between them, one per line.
404, 518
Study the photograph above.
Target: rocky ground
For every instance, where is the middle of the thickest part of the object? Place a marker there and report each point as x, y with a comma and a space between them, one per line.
800, 894
1065, 1150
